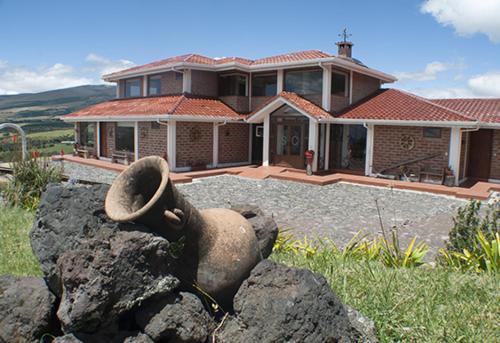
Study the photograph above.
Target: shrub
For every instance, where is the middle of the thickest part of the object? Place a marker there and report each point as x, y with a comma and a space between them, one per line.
30, 177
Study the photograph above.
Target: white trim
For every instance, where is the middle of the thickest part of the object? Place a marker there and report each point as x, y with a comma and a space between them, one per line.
145, 84
370, 135
250, 143
171, 145
215, 145
454, 152
280, 81
265, 145
351, 80
136, 141
327, 147
98, 138
118, 89
232, 164
150, 117
326, 92
186, 81
313, 143
494, 180
423, 123
277, 103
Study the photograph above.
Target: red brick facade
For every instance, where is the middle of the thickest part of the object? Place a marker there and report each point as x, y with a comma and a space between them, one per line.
237, 103
233, 143
495, 156
362, 86
387, 149
194, 144
152, 139
204, 83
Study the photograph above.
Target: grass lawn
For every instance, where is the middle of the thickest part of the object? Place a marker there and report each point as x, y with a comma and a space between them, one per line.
51, 134
413, 305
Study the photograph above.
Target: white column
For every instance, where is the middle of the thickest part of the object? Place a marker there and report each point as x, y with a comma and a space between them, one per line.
351, 78
171, 147
454, 152
98, 143
265, 149
117, 89
215, 153
136, 141
370, 134
280, 82
145, 85
250, 142
186, 81
327, 88
327, 147
313, 142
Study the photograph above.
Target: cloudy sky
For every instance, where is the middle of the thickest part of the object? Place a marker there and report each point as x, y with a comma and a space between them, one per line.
437, 48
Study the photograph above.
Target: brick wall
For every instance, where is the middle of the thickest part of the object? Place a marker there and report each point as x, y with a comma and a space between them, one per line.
495, 156
362, 86
233, 143
110, 129
237, 103
204, 83
257, 101
152, 139
338, 103
388, 151
171, 83
194, 143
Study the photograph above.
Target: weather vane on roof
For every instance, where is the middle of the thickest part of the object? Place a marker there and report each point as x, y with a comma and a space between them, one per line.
344, 35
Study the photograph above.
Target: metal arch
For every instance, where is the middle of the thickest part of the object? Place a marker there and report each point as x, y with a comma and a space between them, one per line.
23, 136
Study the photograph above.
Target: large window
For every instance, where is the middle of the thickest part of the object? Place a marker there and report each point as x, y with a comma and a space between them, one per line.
154, 85
304, 82
234, 84
264, 85
124, 137
132, 88
339, 84
87, 134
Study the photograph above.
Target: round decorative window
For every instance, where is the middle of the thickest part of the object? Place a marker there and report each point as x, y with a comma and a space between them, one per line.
407, 142
195, 134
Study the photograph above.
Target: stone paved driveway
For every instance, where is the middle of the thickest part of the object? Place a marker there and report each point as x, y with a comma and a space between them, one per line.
337, 211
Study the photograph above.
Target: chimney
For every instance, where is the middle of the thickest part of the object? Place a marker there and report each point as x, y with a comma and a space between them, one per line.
345, 47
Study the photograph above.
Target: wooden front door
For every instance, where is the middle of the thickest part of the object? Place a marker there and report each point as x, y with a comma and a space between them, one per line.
479, 163
103, 144
290, 145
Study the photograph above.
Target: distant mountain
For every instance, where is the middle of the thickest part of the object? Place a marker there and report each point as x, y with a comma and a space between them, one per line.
38, 112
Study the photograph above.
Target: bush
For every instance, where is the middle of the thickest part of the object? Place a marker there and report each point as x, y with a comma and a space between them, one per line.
30, 177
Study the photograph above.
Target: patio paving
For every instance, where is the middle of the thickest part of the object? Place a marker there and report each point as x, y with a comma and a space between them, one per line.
336, 211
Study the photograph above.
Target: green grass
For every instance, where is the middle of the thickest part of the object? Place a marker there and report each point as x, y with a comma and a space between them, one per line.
412, 304
51, 134
16, 256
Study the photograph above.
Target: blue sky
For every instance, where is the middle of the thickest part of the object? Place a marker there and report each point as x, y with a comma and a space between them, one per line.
436, 47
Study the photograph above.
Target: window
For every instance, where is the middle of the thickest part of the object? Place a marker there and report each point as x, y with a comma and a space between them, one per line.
339, 84
304, 82
432, 132
124, 137
132, 88
154, 85
87, 134
232, 85
264, 85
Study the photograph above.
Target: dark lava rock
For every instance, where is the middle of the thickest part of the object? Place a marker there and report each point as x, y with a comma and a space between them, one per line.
120, 337
66, 216
139, 338
281, 304
265, 227
176, 318
114, 273
363, 326
26, 309
67, 339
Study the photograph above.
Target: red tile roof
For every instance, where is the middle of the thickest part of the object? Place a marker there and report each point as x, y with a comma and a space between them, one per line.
160, 105
484, 110
393, 104
305, 105
199, 59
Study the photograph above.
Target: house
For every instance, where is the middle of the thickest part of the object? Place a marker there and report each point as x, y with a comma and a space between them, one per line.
201, 112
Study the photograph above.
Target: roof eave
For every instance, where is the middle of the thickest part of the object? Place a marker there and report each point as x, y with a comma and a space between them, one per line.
150, 117
395, 122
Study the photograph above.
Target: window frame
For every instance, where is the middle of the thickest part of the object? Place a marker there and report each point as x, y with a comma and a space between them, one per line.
128, 125
154, 77
84, 132
346, 83
265, 75
228, 75
137, 79
425, 132
292, 71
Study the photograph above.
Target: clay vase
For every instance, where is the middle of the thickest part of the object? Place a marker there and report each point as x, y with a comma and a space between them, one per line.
219, 247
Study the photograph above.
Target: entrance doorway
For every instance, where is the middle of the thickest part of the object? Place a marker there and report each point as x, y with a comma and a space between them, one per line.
103, 143
348, 147
257, 143
479, 161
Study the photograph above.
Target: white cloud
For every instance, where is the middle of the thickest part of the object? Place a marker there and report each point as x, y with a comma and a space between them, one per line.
439, 93
21, 79
467, 17
487, 84
429, 73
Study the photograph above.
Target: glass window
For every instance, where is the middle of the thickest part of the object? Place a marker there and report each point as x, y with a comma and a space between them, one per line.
124, 137
304, 82
232, 85
339, 84
432, 132
154, 85
87, 134
132, 88
264, 85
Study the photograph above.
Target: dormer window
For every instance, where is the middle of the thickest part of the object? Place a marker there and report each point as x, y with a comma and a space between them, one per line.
154, 85
233, 85
339, 84
132, 88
